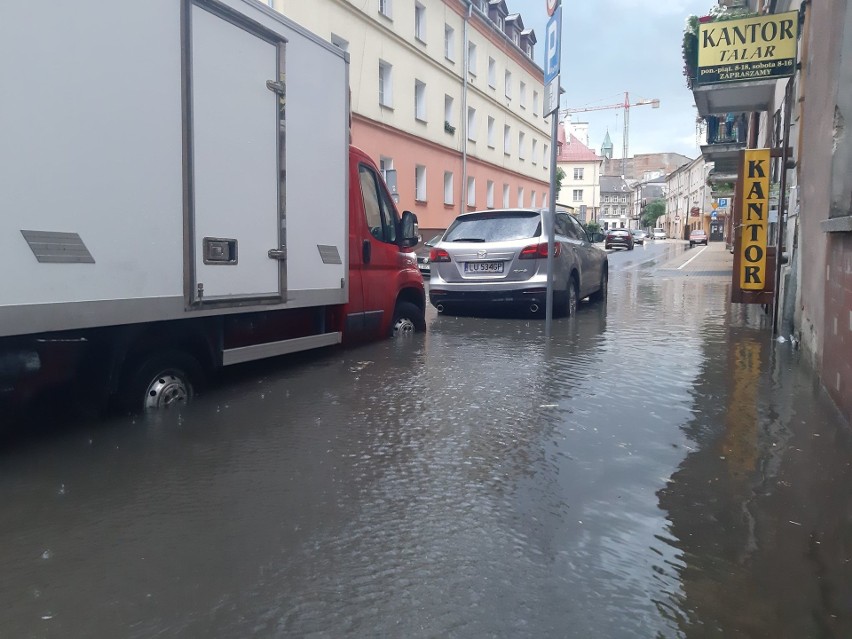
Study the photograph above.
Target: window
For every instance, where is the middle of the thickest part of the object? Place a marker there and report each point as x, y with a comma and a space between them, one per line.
509, 84
520, 196
534, 152
490, 131
535, 103
385, 84
471, 191
532, 199
471, 124
385, 8
378, 209
492, 73
605, 210
546, 160
507, 139
544, 200
522, 95
578, 173
489, 194
449, 43
339, 42
505, 196
521, 145
420, 22
448, 187
449, 112
419, 100
471, 58
420, 183
578, 195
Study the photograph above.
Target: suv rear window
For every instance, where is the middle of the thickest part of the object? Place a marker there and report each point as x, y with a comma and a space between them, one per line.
494, 227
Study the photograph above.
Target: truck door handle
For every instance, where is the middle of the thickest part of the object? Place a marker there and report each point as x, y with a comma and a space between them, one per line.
367, 251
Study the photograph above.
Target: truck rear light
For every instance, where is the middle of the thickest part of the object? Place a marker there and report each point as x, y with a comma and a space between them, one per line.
438, 255
534, 251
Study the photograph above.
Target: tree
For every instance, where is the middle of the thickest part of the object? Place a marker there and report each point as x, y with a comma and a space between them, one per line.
560, 175
652, 212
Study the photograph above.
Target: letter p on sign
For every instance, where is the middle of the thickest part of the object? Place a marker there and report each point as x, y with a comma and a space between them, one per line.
553, 47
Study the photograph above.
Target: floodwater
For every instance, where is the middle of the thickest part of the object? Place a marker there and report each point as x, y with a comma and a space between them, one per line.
661, 468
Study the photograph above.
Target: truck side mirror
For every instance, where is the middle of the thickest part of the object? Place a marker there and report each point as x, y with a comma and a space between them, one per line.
409, 229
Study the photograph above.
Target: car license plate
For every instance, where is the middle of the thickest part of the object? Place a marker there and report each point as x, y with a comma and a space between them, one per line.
483, 267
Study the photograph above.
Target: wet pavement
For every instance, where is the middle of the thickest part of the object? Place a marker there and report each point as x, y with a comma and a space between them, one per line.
661, 468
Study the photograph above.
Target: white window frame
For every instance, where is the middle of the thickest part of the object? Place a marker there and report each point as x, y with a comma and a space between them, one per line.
471, 58
507, 139
490, 132
420, 183
492, 73
578, 172
449, 43
532, 199
471, 191
522, 95
448, 187
386, 8
385, 84
489, 194
449, 110
508, 80
522, 138
520, 197
546, 158
535, 103
419, 100
577, 195
534, 151
420, 22
471, 124
506, 195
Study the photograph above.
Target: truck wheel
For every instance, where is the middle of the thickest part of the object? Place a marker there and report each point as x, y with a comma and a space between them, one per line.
160, 381
407, 320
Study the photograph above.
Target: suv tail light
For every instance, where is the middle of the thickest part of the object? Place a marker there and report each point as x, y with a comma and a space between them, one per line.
438, 255
534, 251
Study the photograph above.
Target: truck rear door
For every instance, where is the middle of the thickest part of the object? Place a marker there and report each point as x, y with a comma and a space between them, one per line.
235, 133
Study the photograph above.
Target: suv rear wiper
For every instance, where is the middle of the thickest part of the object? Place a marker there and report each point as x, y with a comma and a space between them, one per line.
468, 239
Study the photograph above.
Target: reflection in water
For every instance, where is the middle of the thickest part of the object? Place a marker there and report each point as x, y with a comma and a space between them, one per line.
634, 477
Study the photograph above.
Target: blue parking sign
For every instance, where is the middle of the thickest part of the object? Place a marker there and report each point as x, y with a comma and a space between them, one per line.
553, 46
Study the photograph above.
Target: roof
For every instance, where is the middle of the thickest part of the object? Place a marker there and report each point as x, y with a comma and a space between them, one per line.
607, 143
574, 151
613, 184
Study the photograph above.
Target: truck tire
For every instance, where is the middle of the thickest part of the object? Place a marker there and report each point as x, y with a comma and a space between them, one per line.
159, 381
407, 320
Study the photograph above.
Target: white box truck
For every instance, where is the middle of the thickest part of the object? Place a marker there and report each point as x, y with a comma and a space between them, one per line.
177, 194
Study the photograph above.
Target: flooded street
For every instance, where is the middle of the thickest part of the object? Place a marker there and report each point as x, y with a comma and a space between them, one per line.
661, 468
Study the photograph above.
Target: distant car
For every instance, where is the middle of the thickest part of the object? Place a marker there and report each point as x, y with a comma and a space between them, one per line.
639, 236
697, 236
498, 258
621, 238
422, 254
658, 234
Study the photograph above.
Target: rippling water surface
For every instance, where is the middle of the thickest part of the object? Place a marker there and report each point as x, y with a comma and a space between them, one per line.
659, 469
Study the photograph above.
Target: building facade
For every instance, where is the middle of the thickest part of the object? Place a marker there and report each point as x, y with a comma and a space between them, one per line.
580, 186
616, 203
688, 200
446, 94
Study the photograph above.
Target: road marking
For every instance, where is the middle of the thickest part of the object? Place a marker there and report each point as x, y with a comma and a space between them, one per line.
692, 258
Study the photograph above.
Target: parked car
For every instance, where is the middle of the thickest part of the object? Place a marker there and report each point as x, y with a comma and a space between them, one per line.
639, 236
422, 254
619, 238
658, 234
499, 258
697, 236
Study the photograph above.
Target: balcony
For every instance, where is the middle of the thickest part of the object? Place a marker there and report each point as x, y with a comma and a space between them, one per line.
753, 95
726, 137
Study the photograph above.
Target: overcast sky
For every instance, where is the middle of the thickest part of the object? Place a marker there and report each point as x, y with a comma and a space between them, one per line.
613, 46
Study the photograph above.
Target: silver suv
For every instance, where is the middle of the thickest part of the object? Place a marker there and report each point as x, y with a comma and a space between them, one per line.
494, 258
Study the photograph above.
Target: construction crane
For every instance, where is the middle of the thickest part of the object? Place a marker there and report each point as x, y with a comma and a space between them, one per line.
655, 104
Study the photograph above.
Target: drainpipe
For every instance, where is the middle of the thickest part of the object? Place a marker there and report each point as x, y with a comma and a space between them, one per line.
463, 118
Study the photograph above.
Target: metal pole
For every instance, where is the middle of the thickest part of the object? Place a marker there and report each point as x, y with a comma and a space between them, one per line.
550, 218
782, 204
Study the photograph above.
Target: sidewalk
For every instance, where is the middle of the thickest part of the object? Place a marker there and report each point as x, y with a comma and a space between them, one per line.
712, 260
